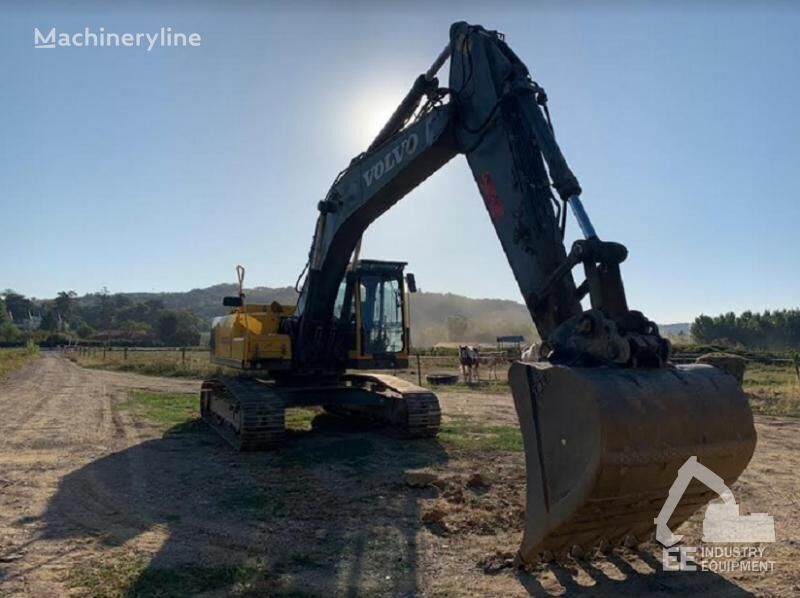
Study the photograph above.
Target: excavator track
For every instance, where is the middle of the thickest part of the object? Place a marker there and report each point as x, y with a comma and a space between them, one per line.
412, 409
247, 413
423, 415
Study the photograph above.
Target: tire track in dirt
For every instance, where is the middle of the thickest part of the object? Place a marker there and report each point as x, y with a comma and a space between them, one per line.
72, 423
58, 418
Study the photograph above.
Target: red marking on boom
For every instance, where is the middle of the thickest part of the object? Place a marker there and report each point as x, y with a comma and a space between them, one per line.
490, 197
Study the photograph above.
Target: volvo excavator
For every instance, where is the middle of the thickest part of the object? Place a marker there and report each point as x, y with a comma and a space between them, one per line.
606, 419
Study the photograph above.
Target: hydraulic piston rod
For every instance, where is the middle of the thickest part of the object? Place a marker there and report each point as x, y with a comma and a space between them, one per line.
582, 217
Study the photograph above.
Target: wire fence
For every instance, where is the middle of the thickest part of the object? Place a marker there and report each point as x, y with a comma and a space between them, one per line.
106, 351
422, 361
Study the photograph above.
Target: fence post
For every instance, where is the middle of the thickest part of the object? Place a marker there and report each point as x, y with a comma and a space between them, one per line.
796, 360
104, 352
183, 354
419, 371
125, 354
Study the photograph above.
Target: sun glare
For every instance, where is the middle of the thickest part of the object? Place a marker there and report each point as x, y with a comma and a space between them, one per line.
368, 113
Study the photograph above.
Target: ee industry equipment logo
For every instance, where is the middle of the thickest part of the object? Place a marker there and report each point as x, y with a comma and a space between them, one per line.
165, 37
722, 524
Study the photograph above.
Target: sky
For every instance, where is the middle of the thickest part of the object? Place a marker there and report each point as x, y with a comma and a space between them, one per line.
162, 170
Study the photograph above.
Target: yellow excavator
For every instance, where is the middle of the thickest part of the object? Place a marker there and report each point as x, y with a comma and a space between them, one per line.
606, 419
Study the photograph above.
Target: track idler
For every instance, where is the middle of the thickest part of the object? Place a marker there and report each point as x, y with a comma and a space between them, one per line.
603, 446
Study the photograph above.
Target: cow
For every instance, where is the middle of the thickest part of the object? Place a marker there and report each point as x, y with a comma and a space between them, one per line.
470, 359
492, 360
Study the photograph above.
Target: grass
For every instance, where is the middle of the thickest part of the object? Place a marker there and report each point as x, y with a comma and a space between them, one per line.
127, 575
300, 419
773, 389
175, 410
464, 433
169, 364
166, 409
13, 359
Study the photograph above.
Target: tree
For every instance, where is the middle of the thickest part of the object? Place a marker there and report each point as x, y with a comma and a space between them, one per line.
105, 309
773, 330
84, 330
50, 321
64, 303
9, 333
177, 328
19, 306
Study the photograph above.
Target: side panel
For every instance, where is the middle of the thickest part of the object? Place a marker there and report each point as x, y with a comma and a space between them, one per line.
249, 338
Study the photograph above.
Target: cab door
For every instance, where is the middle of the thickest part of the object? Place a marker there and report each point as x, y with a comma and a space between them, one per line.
378, 303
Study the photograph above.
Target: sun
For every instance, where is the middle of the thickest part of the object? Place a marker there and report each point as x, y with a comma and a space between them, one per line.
367, 115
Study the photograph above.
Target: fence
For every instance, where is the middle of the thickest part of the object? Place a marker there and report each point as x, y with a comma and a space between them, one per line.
97, 350
682, 358
424, 364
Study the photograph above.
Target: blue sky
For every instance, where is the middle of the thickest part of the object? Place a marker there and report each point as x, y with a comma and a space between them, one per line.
161, 171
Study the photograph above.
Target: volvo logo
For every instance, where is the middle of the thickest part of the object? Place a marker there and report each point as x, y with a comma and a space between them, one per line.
391, 159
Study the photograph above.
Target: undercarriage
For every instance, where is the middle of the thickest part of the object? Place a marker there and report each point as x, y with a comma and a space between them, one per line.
249, 413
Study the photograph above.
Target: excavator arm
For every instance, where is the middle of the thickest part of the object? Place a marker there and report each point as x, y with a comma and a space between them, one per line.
497, 117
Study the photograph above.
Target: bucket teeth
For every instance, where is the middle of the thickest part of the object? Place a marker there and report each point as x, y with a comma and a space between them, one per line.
604, 445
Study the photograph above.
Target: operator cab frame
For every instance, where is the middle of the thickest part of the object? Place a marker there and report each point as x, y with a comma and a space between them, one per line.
372, 304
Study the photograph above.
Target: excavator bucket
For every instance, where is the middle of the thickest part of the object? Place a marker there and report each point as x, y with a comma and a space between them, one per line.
604, 445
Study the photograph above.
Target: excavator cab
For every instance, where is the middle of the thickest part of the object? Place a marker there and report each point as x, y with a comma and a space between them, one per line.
372, 306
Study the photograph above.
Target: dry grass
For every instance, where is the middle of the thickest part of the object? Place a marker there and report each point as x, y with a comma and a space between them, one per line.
196, 364
170, 363
13, 359
773, 389
124, 574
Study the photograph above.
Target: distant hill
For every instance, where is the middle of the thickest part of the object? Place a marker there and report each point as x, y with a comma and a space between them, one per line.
435, 317
206, 303
474, 320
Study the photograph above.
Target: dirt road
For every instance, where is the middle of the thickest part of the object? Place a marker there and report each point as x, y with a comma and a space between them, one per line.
89, 493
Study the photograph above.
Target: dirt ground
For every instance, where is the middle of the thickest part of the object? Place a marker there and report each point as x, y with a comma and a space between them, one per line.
84, 485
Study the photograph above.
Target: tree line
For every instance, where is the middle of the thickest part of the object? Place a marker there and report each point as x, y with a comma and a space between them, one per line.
101, 317
777, 330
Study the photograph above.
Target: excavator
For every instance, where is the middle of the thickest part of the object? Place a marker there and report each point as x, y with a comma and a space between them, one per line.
606, 419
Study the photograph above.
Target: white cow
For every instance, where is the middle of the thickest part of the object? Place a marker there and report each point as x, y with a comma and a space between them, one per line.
492, 360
